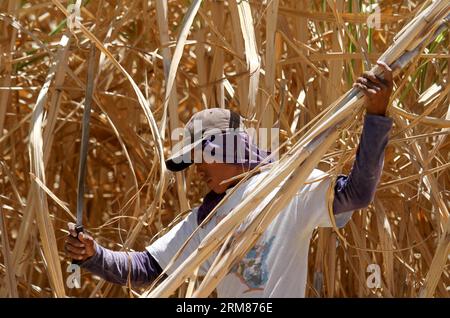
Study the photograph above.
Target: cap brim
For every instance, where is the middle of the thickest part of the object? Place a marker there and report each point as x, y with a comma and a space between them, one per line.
175, 167
177, 161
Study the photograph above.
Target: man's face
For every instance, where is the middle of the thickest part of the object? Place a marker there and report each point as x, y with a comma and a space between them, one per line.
214, 173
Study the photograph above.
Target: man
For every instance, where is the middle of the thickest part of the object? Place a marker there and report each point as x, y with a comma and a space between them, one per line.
283, 247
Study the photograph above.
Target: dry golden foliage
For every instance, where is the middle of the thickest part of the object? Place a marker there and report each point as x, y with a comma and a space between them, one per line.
280, 63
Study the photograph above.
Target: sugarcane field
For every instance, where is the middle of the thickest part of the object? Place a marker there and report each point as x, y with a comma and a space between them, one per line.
224, 149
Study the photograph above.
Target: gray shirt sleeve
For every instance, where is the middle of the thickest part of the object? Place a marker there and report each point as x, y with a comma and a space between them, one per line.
357, 190
115, 267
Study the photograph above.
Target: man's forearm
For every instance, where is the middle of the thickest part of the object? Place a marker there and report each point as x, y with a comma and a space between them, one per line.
357, 190
116, 267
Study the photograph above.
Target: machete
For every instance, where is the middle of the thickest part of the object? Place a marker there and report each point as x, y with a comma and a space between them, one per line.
84, 144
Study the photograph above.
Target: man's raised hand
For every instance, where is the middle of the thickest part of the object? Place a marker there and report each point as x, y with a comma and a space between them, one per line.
376, 89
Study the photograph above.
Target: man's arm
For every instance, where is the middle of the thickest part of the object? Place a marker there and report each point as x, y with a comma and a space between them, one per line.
115, 267
143, 267
357, 190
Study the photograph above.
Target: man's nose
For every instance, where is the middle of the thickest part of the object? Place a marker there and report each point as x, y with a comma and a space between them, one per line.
200, 171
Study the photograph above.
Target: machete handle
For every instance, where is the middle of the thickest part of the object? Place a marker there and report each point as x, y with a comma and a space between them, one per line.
78, 229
